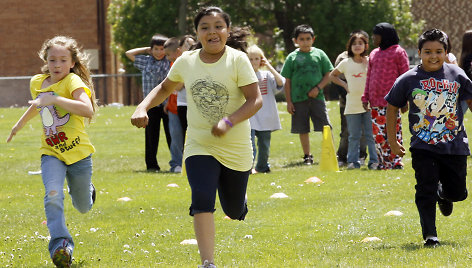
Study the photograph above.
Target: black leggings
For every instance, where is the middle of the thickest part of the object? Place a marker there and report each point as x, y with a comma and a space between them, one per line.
205, 175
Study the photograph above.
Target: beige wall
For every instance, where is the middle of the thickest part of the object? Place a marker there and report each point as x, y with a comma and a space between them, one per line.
452, 16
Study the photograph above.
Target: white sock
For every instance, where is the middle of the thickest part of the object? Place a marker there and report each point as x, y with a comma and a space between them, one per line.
430, 237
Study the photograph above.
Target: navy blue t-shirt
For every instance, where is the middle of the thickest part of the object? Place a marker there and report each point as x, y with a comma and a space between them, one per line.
435, 115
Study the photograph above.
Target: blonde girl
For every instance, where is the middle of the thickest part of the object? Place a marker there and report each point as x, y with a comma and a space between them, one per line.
266, 119
64, 97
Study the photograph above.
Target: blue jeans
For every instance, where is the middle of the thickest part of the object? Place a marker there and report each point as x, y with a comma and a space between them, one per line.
263, 144
356, 123
176, 144
79, 181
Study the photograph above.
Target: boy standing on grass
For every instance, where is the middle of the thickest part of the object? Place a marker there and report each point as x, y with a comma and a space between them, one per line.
307, 72
439, 147
154, 66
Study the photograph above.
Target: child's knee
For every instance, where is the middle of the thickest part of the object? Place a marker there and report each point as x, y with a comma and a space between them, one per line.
236, 213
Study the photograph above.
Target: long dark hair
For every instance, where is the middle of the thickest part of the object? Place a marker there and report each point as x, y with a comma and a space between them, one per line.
466, 47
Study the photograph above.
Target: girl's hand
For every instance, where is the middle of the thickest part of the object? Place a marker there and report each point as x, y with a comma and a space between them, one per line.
44, 100
366, 106
139, 118
220, 128
13, 132
264, 61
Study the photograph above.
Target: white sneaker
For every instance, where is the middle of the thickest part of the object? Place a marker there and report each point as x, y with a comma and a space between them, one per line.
351, 166
177, 169
207, 264
374, 166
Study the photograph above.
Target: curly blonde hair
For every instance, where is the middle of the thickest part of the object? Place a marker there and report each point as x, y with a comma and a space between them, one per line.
80, 59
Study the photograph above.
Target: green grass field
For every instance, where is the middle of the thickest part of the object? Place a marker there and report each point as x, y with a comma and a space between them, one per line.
318, 225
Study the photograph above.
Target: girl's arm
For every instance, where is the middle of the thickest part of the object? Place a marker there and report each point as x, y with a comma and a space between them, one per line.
28, 115
334, 77
80, 105
157, 96
131, 54
397, 148
278, 78
365, 97
249, 108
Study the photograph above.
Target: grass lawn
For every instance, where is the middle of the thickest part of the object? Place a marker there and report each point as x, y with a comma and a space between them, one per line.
318, 225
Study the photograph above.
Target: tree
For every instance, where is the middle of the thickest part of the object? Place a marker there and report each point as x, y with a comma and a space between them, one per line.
135, 21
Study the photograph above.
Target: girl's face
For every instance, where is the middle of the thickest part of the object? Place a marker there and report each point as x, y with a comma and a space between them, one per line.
255, 60
376, 39
358, 46
432, 56
59, 62
212, 31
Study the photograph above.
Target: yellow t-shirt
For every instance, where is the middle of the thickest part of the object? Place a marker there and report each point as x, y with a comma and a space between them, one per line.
64, 133
213, 92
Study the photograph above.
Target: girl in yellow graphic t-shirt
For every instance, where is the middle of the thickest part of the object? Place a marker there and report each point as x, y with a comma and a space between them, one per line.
64, 97
222, 94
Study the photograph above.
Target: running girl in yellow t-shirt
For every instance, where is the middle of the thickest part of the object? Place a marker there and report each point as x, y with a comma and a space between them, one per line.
63, 95
222, 94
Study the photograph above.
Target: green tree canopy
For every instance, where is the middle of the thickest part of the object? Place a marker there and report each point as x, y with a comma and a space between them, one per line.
135, 21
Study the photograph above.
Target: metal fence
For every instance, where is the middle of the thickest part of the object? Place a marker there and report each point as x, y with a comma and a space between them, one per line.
109, 88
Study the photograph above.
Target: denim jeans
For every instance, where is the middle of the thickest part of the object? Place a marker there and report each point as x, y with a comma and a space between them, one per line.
176, 145
357, 125
263, 144
79, 181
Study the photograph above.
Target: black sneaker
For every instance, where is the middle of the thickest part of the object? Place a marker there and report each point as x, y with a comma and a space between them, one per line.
430, 243
308, 159
445, 206
62, 257
94, 194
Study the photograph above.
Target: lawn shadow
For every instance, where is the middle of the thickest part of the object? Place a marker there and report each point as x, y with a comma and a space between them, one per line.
154, 171
298, 164
414, 246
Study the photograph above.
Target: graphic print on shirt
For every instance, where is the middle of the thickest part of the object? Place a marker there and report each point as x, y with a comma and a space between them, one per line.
436, 100
306, 68
359, 75
49, 117
211, 98
263, 85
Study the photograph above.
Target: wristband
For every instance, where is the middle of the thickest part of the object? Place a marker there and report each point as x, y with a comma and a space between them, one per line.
319, 89
227, 121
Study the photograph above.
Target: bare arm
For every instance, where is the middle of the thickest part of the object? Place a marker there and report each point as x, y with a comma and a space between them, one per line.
334, 77
313, 93
397, 148
249, 108
288, 97
278, 78
80, 105
157, 96
28, 115
131, 54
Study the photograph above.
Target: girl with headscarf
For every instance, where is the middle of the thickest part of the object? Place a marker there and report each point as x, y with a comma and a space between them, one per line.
387, 62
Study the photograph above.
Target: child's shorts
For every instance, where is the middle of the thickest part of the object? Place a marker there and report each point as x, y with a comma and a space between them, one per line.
304, 110
206, 175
